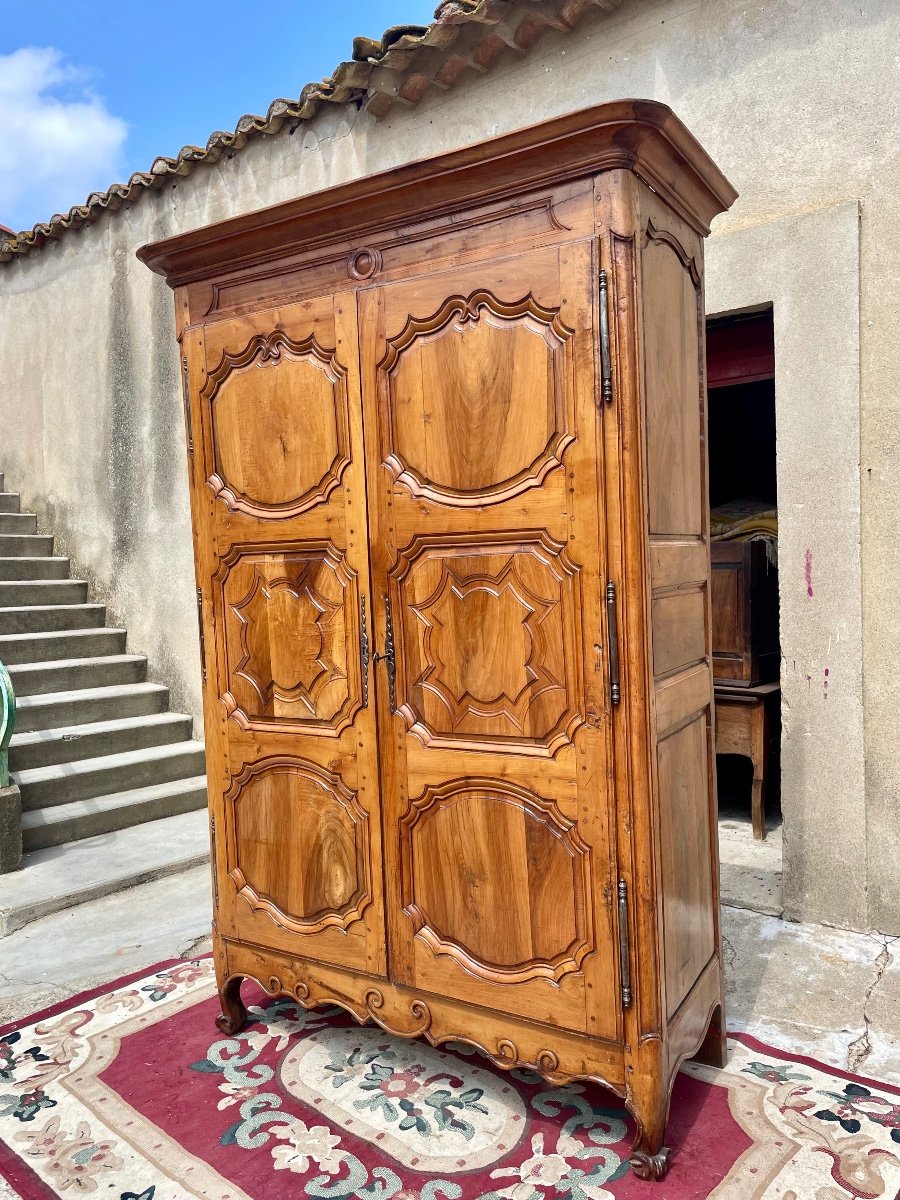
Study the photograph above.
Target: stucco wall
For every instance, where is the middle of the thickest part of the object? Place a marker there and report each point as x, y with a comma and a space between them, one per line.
797, 103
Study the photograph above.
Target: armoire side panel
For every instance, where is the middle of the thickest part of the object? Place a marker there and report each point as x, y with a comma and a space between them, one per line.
676, 479
684, 823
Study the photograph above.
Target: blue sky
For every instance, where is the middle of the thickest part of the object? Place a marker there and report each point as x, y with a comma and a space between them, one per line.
91, 91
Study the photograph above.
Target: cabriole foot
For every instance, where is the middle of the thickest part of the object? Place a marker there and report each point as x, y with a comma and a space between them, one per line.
650, 1166
234, 1014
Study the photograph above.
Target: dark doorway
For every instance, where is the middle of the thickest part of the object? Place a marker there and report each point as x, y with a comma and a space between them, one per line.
744, 502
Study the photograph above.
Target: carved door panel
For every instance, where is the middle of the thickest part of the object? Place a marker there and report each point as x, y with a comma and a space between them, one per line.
280, 484
484, 497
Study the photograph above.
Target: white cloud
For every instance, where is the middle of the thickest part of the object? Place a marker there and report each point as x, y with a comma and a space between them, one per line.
59, 141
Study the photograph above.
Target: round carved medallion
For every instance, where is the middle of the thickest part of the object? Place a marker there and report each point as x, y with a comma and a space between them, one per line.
364, 263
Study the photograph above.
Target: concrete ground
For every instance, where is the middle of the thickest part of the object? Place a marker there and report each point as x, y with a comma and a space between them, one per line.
804, 988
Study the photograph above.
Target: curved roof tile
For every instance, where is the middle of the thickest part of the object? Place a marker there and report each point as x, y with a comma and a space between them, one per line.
397, 68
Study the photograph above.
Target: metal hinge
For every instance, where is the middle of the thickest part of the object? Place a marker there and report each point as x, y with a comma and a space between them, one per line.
612, 638
624, 945
202, 636
186, 389
213, 860
606, 393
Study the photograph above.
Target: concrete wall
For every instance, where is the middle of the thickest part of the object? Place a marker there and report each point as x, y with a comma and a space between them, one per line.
799, 105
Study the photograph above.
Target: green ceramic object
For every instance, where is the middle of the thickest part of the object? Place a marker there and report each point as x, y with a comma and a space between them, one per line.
7, 722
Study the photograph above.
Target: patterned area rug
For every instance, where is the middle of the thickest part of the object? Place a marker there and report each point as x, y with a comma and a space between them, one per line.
132, 1094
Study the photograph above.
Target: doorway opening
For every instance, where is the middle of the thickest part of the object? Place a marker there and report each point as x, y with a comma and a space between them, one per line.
743, 498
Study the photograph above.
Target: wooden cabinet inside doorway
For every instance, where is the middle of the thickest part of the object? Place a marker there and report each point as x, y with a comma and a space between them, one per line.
446, 446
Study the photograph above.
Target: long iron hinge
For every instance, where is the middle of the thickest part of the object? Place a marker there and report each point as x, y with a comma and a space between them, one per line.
624, 945
202, 635
612, 640
215, 867
186, 389
606, 392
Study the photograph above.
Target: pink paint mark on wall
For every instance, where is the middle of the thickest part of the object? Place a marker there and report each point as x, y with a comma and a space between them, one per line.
807, 571
825, 689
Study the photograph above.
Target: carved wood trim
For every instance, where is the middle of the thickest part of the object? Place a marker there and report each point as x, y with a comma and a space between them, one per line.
461, 311
318, 258
669, 239
354, 908
324, 552
432, 800
269, 349
387, 1006
554, 556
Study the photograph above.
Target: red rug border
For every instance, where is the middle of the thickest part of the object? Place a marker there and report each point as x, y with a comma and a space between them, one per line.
18, 1174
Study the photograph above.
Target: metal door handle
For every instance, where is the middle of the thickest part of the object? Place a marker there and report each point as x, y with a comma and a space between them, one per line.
388, 656
364, 651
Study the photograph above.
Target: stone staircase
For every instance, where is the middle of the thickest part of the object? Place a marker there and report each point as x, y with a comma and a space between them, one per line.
112, 784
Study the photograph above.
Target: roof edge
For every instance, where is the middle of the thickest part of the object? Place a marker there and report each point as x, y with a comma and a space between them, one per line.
398, 69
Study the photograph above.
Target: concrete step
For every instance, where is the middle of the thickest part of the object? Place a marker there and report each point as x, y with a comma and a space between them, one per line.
21, 648
22, 567
82, 707
47, 618
9, 502
44, 747
63, 876
18, 523
33, 679
27, 545
89, 778
42, 592
90, 818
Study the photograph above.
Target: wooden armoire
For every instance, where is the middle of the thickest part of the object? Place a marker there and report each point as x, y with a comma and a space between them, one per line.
446, 445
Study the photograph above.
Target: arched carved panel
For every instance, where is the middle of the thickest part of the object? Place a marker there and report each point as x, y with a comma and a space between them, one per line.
674, 373
474, 399
489, 642
279, 421
290, 637
495, 877
301, 845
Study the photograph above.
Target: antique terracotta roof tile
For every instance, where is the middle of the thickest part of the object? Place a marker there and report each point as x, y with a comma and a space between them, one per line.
397, 68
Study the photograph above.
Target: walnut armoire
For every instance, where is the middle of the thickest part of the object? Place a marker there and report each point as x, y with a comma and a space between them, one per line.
446, 447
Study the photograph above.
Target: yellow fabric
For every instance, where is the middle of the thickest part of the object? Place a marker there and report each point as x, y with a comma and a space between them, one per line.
742, 520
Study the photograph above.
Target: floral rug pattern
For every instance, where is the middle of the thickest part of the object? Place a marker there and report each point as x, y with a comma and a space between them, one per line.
133, 1095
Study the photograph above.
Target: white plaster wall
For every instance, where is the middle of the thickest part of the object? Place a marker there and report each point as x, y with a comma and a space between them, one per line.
815, 300
799, 105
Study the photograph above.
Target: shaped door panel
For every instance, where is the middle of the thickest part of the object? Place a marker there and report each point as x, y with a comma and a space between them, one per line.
490, 643
289, 619
474, 399
278, 419
467, 848
300, 845
481, 428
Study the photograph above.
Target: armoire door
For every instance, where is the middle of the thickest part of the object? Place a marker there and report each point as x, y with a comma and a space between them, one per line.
487, 575
279, 498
